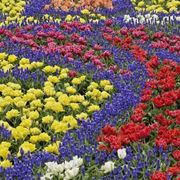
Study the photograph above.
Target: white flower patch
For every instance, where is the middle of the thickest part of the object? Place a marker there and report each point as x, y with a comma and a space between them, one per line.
150, 18
55, 168
108, 167
121, 153
48, 176
71, 173
75, 162
66, 170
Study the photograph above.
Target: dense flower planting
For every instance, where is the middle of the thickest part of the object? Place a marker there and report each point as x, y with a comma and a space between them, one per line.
89, 89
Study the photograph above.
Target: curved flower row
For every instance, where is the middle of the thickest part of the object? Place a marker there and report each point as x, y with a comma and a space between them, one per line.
39, 113
85, 100
31, 10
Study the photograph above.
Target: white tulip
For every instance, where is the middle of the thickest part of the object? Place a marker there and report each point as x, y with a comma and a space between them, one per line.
69, 165
121, 153
147, 16
177, 18
48, 176
77, 161
66, 170
71, 173
155, 17
108, 167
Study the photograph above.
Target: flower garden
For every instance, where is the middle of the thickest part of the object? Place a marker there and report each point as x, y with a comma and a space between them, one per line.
89, 89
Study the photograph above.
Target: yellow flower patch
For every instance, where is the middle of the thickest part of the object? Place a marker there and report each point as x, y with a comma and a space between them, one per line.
158, 6
35, 114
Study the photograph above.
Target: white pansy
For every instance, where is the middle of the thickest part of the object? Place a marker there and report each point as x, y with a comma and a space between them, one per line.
121, 153
71, 173
108, 167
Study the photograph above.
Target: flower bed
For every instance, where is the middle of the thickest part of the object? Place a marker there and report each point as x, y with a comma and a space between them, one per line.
89, 93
